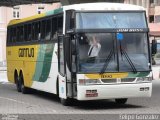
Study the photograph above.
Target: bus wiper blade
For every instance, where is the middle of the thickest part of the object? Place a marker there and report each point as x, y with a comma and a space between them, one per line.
123, 52
107, 62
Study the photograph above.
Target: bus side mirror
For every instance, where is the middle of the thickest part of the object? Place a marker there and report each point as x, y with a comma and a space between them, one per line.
154, 47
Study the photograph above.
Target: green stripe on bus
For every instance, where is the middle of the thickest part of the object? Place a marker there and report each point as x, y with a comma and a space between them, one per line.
138, 74
39, 63
52, 12
44, 61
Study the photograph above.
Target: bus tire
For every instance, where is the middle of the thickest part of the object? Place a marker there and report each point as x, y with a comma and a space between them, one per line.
18, 84
121, 101
65, 102
23, 88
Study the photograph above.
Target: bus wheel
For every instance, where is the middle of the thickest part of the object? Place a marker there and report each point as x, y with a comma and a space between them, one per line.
23, 88
121, 101
65, 102
18, 84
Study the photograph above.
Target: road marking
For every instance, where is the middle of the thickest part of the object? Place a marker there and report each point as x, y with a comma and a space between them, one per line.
30, 105
5, 82
17, 101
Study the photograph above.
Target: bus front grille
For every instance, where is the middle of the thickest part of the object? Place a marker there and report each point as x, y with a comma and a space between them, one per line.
109, 80
123, 80
127, 80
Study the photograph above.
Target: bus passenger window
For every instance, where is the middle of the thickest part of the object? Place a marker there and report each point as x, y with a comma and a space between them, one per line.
48, 30
21, 33
37, 31
18, 34
14, 35
8, 35
33, 31
43, 24
29, 32
25, 33
54, 28
60, 24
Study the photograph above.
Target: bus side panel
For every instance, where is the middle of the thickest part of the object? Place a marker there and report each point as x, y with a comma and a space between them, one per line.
39, 64
22, 58
46, 71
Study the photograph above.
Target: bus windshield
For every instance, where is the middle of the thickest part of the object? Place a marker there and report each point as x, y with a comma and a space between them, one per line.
102, 52
110, 20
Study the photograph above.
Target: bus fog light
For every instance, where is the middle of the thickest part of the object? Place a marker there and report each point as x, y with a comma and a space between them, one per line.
144, 89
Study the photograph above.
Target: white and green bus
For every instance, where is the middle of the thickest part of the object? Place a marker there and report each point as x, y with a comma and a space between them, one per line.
56, 52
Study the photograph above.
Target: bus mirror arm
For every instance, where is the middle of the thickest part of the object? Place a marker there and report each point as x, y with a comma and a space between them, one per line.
154, 47
73, 63
73, 47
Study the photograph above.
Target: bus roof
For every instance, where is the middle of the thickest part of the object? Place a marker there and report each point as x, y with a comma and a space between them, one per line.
103, 6
86, 6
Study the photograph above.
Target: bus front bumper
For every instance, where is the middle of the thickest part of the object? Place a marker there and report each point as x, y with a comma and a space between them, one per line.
97, 92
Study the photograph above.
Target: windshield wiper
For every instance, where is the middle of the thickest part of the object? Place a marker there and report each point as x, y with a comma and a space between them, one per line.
123, 52
107, 62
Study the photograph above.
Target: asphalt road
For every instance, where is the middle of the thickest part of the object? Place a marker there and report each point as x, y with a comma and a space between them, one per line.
12, 102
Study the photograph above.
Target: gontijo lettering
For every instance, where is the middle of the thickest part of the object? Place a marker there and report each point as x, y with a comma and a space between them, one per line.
26, 52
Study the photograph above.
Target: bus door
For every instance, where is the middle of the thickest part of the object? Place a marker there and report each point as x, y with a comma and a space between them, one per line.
70, 57
67, 66
61, 68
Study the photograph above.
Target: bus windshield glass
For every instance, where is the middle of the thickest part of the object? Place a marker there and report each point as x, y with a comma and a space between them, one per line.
103, 52
110, 20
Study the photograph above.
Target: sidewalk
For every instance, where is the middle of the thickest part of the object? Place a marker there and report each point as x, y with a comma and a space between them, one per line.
3, 75
3, 68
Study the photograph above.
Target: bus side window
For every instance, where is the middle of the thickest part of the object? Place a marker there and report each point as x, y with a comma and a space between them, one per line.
37, 30
60, 24
8, 35
25, 33
29, 34
33, 31
70, 19
14, 35
54, 28
19, 37
18, 34
43, 24
21, 33
48, 30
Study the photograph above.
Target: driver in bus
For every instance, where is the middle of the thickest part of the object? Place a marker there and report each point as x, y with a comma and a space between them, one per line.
94, 49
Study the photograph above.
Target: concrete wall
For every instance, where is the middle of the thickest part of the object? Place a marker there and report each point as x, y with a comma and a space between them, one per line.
157, 14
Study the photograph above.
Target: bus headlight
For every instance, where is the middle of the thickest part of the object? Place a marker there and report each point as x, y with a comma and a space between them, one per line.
144, 79
88, 81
